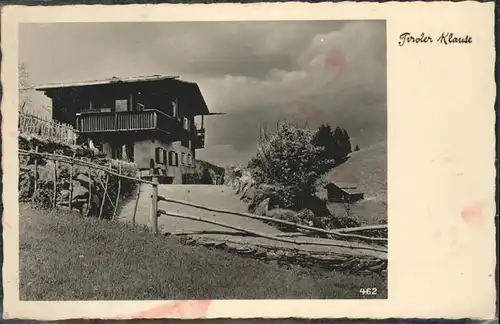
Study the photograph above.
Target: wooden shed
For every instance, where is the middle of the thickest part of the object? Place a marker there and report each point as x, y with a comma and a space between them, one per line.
343, 192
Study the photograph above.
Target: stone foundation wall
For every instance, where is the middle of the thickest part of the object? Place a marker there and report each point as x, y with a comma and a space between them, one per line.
306, 259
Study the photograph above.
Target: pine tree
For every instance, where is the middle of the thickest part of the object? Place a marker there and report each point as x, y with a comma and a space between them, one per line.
356, 148
342, 143
324, 138
347, 142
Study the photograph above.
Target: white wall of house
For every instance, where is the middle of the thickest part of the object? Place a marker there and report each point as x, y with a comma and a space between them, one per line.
145, 150
175, 171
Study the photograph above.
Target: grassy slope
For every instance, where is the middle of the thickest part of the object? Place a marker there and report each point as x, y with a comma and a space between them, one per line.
65, 257
367, 168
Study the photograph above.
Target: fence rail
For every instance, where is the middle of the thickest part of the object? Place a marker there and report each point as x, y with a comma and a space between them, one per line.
108, 171
90, 122
339, 233
342, 234
46, 129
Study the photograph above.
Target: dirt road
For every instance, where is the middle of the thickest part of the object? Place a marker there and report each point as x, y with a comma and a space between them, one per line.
223, 197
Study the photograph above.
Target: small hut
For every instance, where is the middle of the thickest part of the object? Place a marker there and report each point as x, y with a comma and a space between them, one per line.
343, 192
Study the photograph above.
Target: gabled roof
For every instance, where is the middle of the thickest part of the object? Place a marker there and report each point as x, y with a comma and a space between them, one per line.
346, 187
194, 93
106, 81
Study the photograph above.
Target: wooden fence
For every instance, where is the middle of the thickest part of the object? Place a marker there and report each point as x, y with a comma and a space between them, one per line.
344, 234
46, 129
108, 171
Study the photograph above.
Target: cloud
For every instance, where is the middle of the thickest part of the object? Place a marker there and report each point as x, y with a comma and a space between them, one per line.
257, 73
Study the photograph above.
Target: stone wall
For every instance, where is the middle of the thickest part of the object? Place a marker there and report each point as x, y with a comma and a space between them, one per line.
83, 178
306, 259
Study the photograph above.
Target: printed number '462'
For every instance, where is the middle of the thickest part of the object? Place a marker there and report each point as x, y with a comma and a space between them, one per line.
368, 291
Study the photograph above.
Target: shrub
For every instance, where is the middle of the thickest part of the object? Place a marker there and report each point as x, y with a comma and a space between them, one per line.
206, 177
275, 194
44, 195
290, 160
285, 215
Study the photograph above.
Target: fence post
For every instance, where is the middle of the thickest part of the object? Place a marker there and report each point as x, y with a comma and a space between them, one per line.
154, 200
105, 192
54, 203
118, 190
71, 184
35, 186
89, 205
137, 200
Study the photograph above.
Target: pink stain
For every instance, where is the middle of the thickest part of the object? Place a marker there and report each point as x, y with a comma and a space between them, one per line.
311, 113
473, 214
335, 61
177, 309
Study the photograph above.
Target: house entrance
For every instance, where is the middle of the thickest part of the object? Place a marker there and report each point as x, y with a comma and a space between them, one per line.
122, 151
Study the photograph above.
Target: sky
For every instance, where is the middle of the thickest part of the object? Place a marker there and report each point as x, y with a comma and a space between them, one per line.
258, 73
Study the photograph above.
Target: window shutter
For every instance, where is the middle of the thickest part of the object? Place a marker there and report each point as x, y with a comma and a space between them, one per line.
157, 155
160, 156
171, 158
175, 111
176, 159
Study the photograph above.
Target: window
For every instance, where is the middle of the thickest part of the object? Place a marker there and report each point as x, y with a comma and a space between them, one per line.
102, 105
129, 149
187, 124
190, 159
175, 112
159, 156
121, 105
173, 158
116, 152
183, 158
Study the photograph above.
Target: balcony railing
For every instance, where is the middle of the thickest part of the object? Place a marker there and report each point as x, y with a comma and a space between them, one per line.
200, 139
98, 122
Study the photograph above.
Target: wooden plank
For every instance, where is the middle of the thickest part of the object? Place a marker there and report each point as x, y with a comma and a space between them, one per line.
65, 158
104, 194
90, 190
71, 171
54, 173
248, 215
275, 238
118, 190
153, 218
136, 202
35, 185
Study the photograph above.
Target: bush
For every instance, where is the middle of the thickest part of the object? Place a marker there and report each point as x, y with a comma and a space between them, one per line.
206, 177
290, 160
285, 215
261, 192
44, 195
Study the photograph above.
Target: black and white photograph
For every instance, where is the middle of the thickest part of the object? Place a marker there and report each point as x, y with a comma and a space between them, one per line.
203, 160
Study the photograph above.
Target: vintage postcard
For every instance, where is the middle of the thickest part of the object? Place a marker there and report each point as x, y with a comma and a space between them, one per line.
262, 160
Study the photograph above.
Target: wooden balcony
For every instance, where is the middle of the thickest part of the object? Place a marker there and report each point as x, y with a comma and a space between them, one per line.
125, 121
199, 141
